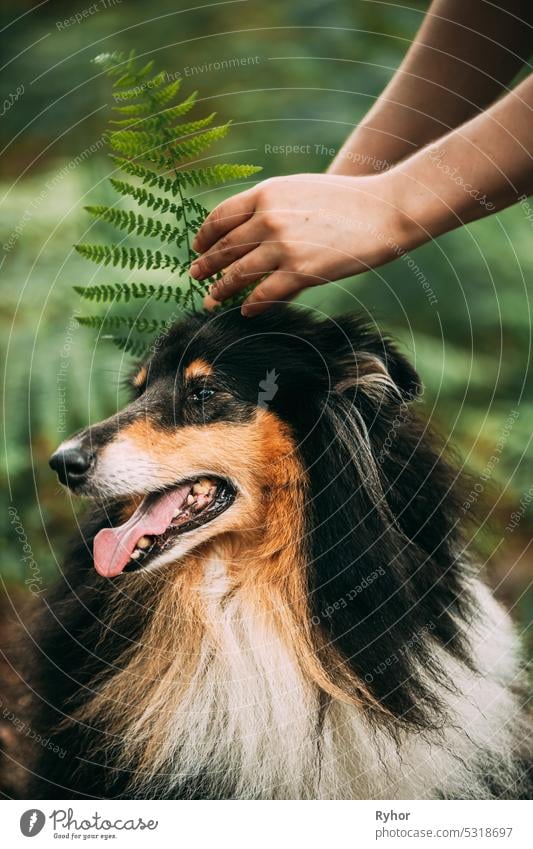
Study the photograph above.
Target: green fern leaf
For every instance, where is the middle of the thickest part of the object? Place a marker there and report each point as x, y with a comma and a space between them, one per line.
154, 148
153, 122
116, 322
151, 177
221, 173
134, 110
144, 226
140, 142
119, 255
190, 148
125, 292
143, 197
131, 345
168, 93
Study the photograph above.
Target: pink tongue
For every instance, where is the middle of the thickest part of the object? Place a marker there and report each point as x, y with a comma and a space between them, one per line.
113, 547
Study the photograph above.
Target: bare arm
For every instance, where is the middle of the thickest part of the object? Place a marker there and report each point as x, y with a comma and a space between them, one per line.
481, 167
309, 229
465, 54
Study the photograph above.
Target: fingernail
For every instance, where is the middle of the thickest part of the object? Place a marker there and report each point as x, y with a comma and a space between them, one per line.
194, 271
245, 311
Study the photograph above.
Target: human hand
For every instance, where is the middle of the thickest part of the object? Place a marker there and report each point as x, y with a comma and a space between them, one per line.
288, 233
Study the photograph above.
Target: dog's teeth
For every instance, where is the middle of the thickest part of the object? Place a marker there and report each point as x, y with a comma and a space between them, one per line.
136, 554
190, 499
144, 542
201, 487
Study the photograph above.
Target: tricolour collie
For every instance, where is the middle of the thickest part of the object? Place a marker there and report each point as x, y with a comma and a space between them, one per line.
271, 598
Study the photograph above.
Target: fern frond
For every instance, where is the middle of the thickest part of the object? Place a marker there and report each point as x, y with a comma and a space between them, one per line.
144, 197
176, 152
144, 226
193, 177
140, 142
152, 145
165, 95
190, 148
149, 176
134, 110
112, 62
133, 76
116, 322
131, 345
167, 116
108, 292
117, 255
221, 173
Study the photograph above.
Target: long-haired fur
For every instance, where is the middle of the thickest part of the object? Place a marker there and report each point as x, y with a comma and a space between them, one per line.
331, 641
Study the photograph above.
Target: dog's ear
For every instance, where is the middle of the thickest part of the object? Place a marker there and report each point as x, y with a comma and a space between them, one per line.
389, 377
371, 363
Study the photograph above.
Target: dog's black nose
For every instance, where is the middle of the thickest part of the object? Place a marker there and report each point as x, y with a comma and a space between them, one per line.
71, 464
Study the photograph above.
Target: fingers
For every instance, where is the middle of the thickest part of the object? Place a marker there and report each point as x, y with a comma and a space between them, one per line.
226, 250
279, 286
225, 217
243, 272
210, 303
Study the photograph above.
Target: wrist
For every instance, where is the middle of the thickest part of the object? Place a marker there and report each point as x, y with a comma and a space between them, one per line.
403, 212
430, 195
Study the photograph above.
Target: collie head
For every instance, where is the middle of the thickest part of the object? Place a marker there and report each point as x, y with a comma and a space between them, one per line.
273, 488
290, 443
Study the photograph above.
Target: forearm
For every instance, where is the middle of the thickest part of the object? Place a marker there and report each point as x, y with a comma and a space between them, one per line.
464, 55
480, 168
287, 233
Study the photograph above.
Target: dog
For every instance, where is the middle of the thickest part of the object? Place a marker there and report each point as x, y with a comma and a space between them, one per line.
272, 596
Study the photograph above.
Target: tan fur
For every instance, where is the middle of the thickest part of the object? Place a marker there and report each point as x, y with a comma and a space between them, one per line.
260, 544
198, 368
140, 377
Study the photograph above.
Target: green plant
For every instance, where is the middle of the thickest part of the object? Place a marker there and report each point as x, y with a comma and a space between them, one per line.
151, 145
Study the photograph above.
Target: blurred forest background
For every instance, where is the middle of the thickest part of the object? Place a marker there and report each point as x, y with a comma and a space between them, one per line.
287, 74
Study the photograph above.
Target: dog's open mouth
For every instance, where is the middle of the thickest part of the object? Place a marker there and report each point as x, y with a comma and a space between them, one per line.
156, 523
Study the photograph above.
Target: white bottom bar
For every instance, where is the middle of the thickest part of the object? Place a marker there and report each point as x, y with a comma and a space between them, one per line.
276, 825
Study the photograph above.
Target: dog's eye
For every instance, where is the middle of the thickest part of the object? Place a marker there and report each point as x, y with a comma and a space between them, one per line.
201, 395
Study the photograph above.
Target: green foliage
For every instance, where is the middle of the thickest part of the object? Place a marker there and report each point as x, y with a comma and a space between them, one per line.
116, 322
152, 146
128, 291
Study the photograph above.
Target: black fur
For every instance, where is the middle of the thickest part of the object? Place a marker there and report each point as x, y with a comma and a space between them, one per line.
383, 512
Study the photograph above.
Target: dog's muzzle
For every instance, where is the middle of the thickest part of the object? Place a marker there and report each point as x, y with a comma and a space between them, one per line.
72, 465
